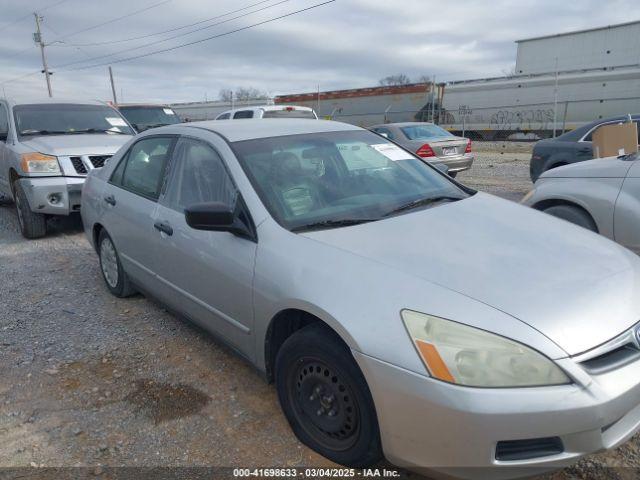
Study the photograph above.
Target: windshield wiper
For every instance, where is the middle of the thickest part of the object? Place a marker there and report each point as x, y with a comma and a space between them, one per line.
42, 132
346, 222
421, 202
97, 130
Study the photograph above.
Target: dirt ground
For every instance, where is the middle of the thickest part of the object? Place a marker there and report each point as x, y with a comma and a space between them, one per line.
90, 380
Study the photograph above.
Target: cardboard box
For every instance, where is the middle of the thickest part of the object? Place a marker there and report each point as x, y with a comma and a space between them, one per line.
615, 140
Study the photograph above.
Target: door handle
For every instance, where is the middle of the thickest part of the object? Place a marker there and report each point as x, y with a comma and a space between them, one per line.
163, 227
110, 200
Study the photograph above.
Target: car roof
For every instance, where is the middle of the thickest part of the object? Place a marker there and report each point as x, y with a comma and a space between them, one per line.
582, 130
401, 124
250, 129
38, 100
266, 108
143, 105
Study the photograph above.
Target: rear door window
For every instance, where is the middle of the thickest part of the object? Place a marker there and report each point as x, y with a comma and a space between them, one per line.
243, 114
224, 116
142, 170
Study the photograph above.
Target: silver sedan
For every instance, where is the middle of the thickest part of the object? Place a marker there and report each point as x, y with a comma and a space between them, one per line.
431, 142
397, 312
601, 195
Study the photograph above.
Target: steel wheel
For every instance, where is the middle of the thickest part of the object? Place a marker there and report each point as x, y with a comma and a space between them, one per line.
109, 262
325, 407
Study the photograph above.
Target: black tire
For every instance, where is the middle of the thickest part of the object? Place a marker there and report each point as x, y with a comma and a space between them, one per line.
326, 399
120, 286
32, 225
453, 174
574, 215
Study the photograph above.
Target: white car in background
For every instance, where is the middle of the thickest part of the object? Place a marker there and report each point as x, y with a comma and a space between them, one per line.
602, 195
268, 111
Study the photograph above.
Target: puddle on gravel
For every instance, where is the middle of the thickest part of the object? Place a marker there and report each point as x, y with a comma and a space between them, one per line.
162, 401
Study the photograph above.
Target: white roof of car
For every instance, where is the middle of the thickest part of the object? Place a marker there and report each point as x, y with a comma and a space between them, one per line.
250, 129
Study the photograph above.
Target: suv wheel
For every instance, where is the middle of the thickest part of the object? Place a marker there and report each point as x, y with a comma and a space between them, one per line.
113, 274
326, 399
32, 225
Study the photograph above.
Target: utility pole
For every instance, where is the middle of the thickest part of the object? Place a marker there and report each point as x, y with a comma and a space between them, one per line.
38, 39
113, 87
318, 103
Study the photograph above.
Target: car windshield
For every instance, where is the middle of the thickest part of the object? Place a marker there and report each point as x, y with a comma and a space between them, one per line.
142, 117
333, 179
286, 113
423, 132
68, 119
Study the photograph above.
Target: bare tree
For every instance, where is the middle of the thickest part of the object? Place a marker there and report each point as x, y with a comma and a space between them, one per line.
425, 79
393, 80
225, 95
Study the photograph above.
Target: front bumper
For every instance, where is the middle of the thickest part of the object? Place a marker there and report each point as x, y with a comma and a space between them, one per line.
458, 163
53, 195
430, 425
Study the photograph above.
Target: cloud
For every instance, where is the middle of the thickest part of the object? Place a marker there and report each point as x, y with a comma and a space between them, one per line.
345, 44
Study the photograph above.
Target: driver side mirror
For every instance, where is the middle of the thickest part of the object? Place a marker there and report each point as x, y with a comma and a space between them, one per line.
218, 217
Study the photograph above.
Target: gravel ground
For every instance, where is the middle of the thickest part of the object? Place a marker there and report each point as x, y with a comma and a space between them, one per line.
90, 380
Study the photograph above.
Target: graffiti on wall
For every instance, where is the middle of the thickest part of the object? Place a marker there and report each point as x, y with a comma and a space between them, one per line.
530, 119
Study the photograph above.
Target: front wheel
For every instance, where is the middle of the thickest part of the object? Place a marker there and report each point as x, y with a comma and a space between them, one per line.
326, 399
574, 215
32, 225
113, 274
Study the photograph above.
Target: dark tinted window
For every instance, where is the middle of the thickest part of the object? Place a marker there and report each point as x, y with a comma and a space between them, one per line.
289, 113
224, 116
199, 176
142, 171
147, 117
243, 114
4, 120
68, 119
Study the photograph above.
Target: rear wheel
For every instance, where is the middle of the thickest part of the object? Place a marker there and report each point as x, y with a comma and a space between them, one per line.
32, 225
326, 399
114, 275
574, 215
453, 174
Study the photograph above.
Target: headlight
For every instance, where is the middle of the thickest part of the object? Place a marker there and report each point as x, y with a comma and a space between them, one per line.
463, 355
39, 163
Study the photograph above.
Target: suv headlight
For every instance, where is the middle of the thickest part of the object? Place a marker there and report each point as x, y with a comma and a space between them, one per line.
464, 355
39, 163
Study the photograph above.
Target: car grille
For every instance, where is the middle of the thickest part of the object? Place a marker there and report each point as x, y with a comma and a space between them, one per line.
613, 354
78, 165
98, 161
82, 164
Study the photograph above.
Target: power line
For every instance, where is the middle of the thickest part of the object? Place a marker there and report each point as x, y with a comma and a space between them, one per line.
113, 20
130, 39
28, 15
174, 36
206, 38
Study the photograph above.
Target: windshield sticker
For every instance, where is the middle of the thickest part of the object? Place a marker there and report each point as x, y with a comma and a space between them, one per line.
168, 111
391, 151
116, 122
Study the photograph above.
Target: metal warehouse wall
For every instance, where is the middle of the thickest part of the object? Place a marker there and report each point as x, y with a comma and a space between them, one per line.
615, 45
527, 103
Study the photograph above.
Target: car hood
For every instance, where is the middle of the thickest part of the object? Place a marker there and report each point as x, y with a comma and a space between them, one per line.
575, 287
81, 144
610, 167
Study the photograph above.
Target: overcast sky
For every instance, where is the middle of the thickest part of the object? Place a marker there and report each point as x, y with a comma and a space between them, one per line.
344, 44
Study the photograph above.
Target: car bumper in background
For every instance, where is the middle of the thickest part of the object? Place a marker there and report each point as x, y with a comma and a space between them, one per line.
457, 163
430, 425
53, 195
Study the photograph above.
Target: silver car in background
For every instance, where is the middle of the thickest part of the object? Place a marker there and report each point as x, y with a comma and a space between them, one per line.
399, 313
431, 142
601, 195
47, 147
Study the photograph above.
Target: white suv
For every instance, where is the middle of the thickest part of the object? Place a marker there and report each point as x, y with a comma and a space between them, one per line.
268, 111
